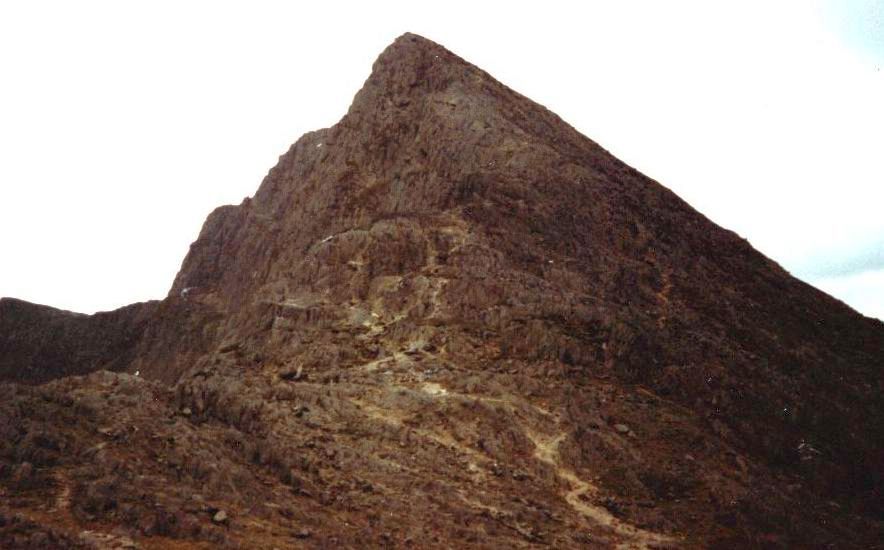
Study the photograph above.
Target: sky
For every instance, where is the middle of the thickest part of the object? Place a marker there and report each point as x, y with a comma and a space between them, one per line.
122, 124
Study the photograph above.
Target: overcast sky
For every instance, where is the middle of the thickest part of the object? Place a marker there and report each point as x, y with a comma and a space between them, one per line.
123, 125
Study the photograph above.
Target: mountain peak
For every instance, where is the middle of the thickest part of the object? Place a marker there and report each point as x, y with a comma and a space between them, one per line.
447, 303
410, 48
410, 40
411, 66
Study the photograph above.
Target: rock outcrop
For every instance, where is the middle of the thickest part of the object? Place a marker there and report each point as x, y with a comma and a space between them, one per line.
450, 320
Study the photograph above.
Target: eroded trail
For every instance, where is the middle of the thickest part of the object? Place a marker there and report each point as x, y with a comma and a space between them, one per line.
441, 438
581, 494
547, 450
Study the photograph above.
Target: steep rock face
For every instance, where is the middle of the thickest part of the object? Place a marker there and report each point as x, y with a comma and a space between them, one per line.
451, 318
544, 236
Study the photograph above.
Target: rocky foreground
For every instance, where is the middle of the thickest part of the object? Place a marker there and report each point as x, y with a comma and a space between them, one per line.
449, 320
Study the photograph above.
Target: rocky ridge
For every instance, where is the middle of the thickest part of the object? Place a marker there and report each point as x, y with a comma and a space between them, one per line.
449, 320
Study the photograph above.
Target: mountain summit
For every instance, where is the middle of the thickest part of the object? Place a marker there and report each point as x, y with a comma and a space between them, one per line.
449, 320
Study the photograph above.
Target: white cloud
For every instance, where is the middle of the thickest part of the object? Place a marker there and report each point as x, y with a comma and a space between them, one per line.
123, 125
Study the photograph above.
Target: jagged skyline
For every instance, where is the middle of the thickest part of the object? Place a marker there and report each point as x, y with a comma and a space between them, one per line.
765, 118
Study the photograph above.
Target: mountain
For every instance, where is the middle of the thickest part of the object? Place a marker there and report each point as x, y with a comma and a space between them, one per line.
449, 320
